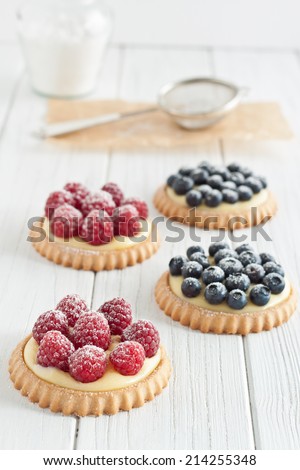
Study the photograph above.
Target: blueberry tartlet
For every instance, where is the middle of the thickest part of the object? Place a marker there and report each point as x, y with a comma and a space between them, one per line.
100, 230
83, 362
216, 197
237, 291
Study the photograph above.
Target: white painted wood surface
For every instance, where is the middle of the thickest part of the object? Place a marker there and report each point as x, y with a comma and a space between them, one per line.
218, 23
225, 392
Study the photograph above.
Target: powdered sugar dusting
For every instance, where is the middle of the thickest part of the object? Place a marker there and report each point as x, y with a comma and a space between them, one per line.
128, 357
145, 333
88, 364
73, 306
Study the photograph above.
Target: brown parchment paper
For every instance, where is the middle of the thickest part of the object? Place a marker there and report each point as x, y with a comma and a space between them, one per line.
249, 121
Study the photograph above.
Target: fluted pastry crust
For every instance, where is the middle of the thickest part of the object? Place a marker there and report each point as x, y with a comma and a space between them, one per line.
222, 322
228, 220
75, 402
93, 260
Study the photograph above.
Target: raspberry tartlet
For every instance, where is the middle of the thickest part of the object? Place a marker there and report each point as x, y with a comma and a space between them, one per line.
74, 363
94, 231
227, 291
216, 197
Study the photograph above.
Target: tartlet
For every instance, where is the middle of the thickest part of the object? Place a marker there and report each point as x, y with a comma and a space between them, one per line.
72, 390
248, 317
94, 231
70, 253
231, 201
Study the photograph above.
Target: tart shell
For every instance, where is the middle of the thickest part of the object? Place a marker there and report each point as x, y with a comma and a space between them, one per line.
93, 260
207, 321
74, 402
229, 220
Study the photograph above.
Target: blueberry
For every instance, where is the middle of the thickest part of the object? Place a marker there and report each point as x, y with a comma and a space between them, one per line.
266, 257
244, 247
253, 183
214, 198
271, 267
205, 166
238, 281
171, 179
213, 274
237, 299
228, 185
176, 264
275, 282
214, 247
193, 198
215, 181
230, 196
245, 193
201, 259
204, 189
186, 170
255, 272
246, 172
230, 266
260, 295
192, 269
263, 181
215, 293
234, 167
194, 249
237, 178
222, 171
225, 253
182, 184
199, 175
248, 257
190, 287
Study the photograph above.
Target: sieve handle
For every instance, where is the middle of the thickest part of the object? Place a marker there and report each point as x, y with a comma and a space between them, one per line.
67, 127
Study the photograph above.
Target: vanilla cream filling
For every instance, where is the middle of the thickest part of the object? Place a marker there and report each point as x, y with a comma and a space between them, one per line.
255, 201
200, 301
111, 380
117, 243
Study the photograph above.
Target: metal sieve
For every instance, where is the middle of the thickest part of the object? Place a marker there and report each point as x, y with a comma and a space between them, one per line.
195, 103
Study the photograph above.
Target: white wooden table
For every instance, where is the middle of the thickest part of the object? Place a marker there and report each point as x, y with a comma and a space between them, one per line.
226, 392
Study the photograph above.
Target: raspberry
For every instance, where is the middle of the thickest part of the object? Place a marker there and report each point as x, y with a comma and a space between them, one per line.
56, 199
126, 220
100, 200
91, 328
72, 306
49, 321
97, 228
115, 191
66, 221
128, 358
79, 192
55, 350
87, 364
140, 205
118, 314
145, 333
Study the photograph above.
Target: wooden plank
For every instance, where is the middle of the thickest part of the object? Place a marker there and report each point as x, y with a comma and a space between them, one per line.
271, 357
29, 284
200, 408
272, 368
270, 76
214, 23
10, 73
192, 23
146, 70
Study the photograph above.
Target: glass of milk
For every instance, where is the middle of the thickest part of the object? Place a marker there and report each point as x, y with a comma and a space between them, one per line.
64, 43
